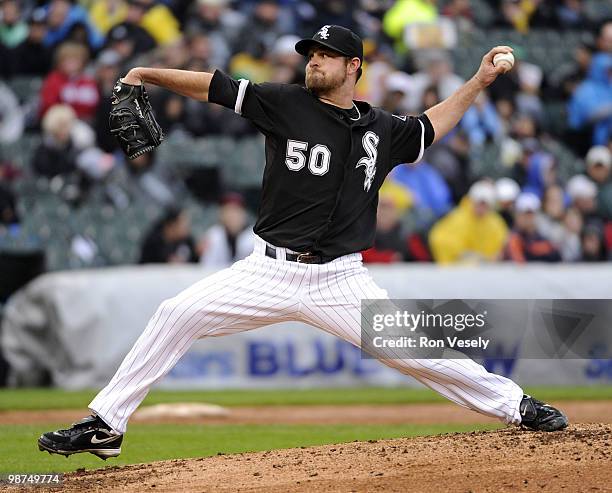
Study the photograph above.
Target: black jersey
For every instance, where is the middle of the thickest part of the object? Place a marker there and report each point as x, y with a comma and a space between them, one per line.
324, 167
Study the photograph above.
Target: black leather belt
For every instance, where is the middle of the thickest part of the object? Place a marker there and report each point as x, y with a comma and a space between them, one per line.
302, 258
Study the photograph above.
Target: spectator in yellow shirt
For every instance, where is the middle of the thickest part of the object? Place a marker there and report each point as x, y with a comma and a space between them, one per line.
158, 20
472, 231
104, 14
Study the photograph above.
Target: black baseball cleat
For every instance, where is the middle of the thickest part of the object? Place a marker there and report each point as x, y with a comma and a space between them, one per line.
540, 416
91, 434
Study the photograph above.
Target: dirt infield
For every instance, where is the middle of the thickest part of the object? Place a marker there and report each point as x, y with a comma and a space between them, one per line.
577, 459
578, 411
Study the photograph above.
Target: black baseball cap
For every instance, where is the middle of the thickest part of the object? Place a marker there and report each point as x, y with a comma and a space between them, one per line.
337, 38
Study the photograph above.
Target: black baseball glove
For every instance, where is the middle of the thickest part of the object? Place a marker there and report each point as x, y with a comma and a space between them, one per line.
132, 120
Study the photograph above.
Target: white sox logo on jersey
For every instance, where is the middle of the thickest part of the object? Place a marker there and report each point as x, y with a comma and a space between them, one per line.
369, 141
323, 32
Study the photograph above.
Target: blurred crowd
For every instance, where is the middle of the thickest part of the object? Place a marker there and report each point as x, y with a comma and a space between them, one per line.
443, 210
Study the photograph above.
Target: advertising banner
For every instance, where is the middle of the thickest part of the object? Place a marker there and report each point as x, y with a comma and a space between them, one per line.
78, 326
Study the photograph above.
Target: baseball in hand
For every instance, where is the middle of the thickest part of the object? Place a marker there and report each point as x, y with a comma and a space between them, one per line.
505, 60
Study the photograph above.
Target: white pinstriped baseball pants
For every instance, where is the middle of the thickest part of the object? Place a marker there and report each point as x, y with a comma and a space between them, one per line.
259, 291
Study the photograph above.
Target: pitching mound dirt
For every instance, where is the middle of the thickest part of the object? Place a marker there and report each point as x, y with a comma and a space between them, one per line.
577, 459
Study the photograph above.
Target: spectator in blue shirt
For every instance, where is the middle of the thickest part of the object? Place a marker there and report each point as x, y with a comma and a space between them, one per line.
432, 196
481, 122
591, 104
63, 18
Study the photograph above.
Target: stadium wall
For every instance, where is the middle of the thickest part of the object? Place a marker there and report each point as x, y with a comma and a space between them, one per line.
78, 325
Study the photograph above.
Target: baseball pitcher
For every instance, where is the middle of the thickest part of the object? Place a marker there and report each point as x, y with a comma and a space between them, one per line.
326, 157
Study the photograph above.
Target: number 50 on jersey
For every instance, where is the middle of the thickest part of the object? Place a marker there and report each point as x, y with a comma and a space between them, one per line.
318, 157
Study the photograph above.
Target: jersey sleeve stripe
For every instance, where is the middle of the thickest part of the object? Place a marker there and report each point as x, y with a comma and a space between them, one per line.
240, 98
420, 156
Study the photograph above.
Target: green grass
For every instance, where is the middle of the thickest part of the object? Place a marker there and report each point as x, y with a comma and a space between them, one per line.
146, 443
149, 442
24, 399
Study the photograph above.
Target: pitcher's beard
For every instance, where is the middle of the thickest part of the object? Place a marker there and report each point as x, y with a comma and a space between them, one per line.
317, 83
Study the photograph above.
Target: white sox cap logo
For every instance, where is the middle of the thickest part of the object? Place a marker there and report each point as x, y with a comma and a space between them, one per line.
323, 32
369, 141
